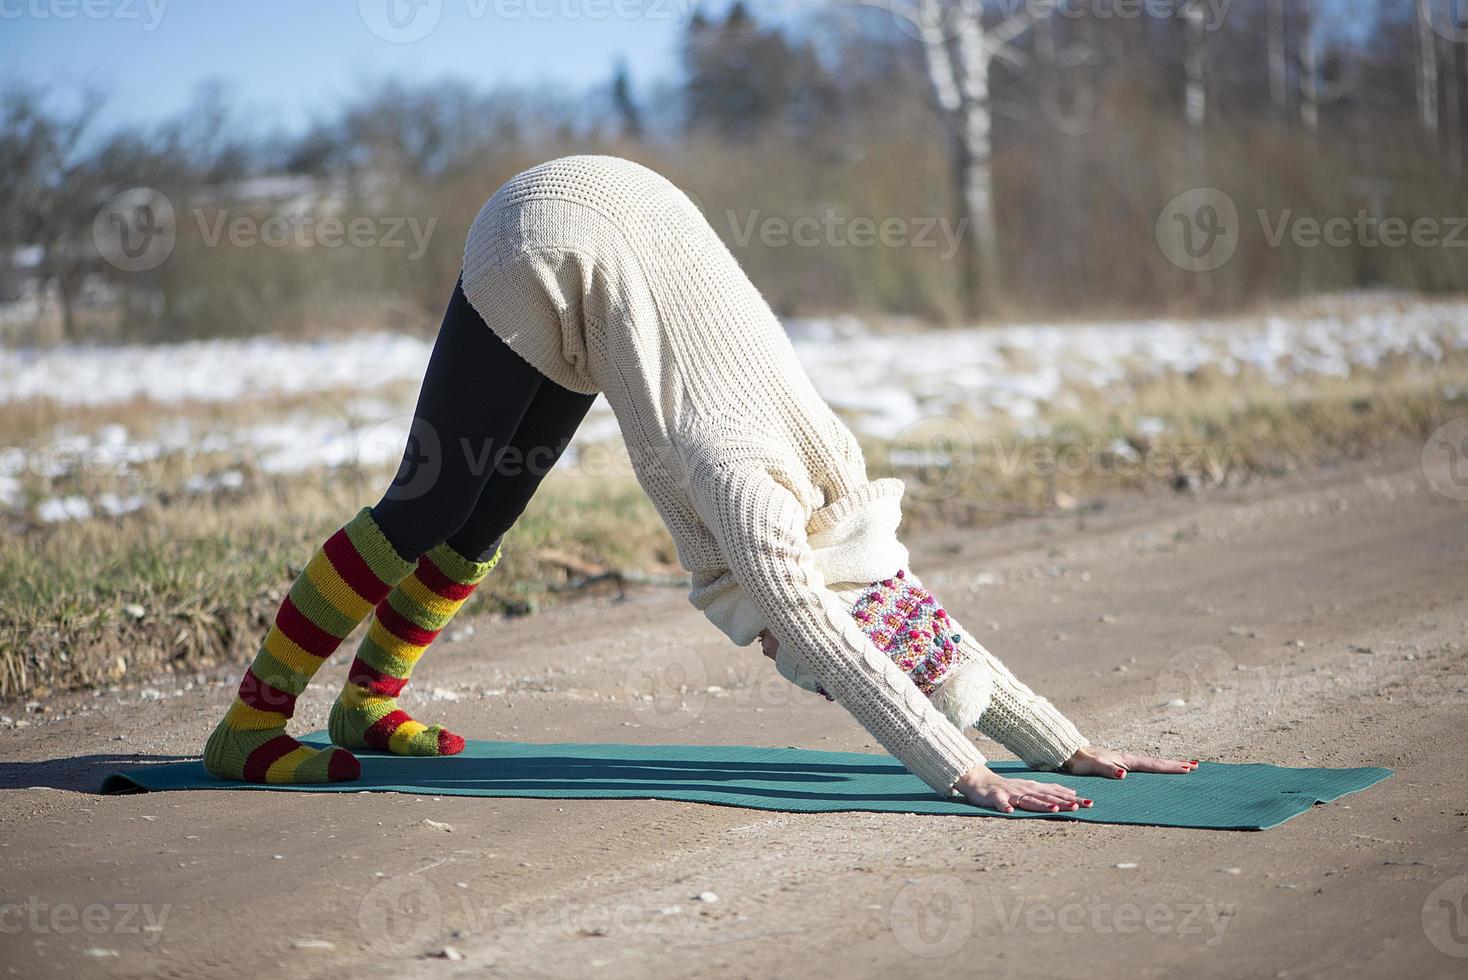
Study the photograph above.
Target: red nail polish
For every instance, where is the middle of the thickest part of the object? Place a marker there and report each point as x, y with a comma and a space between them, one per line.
1120, 773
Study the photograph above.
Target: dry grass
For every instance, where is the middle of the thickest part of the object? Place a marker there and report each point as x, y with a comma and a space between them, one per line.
191, 580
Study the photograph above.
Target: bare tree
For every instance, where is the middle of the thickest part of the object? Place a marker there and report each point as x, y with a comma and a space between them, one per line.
959, 51
1195, 93
1426, 68
1279, 99
47, 197
1309, 69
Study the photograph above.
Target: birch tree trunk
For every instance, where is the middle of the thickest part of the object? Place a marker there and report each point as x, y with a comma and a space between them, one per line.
958, 60
1195, 93
1453, 109
1426, 68
1279, 98
1309, 69
973, 161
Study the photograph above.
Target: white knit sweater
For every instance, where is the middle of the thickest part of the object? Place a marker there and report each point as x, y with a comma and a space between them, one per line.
605, 277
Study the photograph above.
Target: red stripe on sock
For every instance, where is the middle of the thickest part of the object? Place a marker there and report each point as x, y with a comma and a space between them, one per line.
367, 676
342, 767
403, 628
353, 568
381, 730
304, 633
266, 756
436, 579
264, 697
449, 743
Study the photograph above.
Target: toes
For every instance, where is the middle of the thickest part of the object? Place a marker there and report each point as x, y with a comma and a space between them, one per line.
449, 743
342, 767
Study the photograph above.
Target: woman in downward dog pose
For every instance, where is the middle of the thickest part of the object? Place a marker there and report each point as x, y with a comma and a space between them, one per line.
591, 274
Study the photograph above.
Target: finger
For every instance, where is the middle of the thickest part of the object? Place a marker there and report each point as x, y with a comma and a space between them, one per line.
1002, 801
1032, 786
1058, 790
1037, 804
1063, 802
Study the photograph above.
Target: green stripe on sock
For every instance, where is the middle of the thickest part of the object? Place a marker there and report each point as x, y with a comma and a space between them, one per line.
277, 674
413, 612
319, 610
374, 656
461, 569
375, 549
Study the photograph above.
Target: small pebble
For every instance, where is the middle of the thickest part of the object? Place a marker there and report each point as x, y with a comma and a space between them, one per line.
313, 944
708, 897
1126, 865
438, 825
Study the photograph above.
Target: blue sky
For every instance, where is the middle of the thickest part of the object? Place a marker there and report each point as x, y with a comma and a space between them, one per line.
285, 60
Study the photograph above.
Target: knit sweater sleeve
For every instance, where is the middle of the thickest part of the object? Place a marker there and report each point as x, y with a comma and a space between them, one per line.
760, 527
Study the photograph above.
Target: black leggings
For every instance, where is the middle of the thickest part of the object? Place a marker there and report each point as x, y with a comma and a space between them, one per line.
487, 429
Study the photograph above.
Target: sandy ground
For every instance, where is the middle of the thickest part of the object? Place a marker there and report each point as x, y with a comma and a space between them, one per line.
1317, 620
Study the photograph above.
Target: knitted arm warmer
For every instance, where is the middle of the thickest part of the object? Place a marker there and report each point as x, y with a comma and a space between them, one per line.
1021, 720
1016, 717
761, 529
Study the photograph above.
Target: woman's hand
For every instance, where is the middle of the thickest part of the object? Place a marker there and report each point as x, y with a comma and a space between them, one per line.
1092, 761
982, 786
768, 645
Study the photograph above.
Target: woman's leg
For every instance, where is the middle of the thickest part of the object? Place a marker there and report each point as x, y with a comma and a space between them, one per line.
366, 713
474, 395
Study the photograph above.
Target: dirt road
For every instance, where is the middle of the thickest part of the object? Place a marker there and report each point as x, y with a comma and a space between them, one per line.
1315, 620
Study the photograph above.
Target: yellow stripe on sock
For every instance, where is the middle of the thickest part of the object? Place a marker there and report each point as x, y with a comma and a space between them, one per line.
291, 656
283, 770
333, 589
244, 718
430, 601
398, 741
392, 645
359, 698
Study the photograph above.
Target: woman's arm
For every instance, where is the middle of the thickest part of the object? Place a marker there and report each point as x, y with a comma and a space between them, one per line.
761, 530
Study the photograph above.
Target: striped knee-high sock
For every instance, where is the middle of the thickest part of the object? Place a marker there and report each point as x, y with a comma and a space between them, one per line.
366, 713
344, 580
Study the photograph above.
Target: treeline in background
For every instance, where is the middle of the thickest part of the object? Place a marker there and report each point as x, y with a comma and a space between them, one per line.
1044, 139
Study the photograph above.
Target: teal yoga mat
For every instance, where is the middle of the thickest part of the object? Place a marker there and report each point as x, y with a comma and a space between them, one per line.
1217, 796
